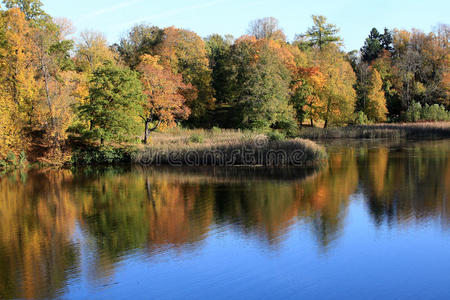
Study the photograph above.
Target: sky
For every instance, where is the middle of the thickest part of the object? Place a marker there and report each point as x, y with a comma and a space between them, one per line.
354, 18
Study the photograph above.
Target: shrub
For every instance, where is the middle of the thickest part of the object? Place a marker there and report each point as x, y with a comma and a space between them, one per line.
275, 136
11, 159
216, 130
414, 112
104, 155
435, 112
197, 138
361, 119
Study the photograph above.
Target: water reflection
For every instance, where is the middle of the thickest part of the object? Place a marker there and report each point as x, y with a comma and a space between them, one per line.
56, 224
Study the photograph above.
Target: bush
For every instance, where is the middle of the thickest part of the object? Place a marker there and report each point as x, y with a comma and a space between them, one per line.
216, 130
12, 161
361, 119
22, 158
275, 136
197, 138
414, 112
104, 155
435, 112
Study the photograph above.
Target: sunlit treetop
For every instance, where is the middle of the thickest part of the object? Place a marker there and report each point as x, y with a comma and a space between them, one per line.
31, 8
320, 34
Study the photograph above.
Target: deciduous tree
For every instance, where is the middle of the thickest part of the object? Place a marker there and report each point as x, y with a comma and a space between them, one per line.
163, 90
115, 103
140, 40
31, 8
266, 28
184, 52
92, 51
338, 94
376, 109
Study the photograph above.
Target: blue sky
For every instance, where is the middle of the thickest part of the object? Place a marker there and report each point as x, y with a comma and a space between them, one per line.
354, 18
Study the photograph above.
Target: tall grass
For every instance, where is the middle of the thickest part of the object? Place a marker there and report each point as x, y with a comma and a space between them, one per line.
390, 131
227, 148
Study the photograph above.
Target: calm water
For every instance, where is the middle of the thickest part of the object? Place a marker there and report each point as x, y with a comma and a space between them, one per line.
374, 223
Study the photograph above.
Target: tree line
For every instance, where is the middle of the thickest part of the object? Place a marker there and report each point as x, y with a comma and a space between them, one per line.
53, 86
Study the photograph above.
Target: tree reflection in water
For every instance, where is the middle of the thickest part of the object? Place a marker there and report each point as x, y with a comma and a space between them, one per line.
124, 210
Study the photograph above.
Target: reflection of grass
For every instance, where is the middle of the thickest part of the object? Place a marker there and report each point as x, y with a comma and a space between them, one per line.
407, 130
229, 175
229, 147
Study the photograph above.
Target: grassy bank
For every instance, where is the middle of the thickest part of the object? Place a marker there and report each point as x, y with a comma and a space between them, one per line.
227, 148
220, 147
390, 131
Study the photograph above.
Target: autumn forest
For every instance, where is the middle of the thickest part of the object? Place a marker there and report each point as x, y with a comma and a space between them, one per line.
58, 91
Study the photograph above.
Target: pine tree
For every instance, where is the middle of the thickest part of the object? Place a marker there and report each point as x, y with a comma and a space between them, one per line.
321, 34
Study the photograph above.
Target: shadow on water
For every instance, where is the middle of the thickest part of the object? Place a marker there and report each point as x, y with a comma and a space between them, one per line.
53, 223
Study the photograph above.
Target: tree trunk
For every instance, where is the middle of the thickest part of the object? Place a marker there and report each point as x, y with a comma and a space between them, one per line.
102, 141
312, 123
146, 133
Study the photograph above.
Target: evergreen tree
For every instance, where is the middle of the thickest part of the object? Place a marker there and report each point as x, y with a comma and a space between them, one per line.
372, 46
321, 34
375, 44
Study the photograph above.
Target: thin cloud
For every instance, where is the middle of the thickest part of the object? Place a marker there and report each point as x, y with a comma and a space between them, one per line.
109, 9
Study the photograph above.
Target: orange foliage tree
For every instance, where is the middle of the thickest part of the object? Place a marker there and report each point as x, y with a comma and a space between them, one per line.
184, 52
165, 101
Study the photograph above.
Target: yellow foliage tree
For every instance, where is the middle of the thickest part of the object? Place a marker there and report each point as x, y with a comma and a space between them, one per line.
18, 86
17, 76
11, 135
338, 95
376, 107
184, 52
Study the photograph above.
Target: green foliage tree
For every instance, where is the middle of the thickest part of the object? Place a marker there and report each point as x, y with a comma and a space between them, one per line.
320, 34
218, 49
375, 44
140, 40
372, 46
263, 81
115, 102
31, 8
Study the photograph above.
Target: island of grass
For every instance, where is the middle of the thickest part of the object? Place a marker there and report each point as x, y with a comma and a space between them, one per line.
228, 148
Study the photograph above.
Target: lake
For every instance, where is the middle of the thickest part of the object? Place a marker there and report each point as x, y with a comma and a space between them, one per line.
372, 223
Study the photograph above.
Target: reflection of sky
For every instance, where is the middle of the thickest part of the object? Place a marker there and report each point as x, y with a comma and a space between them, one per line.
372, 224
365, 262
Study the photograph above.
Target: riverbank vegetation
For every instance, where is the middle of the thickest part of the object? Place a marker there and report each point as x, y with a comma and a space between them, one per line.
436, 130
228, 148
61, 94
